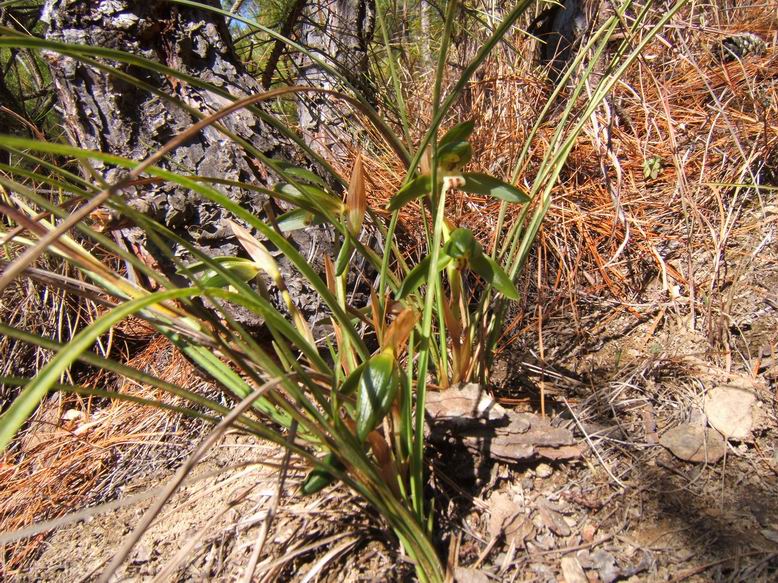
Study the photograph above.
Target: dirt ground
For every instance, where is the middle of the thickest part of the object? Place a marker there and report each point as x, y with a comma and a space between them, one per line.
210, 528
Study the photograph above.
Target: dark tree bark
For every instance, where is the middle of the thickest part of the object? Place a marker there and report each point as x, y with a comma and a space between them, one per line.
338, 32
105, 113
288, 26
561, 32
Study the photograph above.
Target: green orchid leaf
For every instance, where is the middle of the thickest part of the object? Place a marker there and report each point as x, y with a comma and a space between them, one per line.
453, 157
297, 173
201, 266
297, 219
477, 183
461, 245
376, 391
418, 274
240, 268
459, 133
494, 275
351, 382
307, 192
318, 478
344, 256
417, 187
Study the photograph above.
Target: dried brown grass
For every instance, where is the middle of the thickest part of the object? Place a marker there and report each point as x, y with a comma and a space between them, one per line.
79, 451
708, 123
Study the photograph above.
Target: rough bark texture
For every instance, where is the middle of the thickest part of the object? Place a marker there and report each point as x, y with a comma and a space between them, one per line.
286, 30
562, 33
338, 32
466, 415
105, 113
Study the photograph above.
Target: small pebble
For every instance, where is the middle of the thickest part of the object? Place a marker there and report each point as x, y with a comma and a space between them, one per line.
72, 415
572, 570
544, 471
588, 532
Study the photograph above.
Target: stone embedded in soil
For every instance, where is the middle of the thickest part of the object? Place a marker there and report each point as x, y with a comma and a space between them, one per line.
468, 415
605, 564
587, 532
507, 516
694, 444
544, 471
572, 570
142, 554
729, 409
465, 405
467, 575
543, 572
697, 417
553, 521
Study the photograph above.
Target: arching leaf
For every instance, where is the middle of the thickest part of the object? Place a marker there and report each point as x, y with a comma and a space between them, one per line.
376, 390
494, 275
417, 187
488, 185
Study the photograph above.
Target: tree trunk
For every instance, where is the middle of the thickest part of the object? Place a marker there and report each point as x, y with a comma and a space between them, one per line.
566, 25
103, 112
337, 31
424, 40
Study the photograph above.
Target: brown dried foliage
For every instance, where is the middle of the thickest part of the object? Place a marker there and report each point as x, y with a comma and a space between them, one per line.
78, 451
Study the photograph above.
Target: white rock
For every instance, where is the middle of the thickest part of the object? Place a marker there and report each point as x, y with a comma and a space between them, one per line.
729, 410
572, 571
467, 575
544, 471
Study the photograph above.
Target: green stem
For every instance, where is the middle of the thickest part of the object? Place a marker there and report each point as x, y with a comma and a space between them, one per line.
417, 458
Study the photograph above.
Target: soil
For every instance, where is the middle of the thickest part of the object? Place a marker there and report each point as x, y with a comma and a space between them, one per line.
208, 530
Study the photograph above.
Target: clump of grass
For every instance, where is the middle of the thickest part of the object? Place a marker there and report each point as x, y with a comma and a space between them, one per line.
355, 414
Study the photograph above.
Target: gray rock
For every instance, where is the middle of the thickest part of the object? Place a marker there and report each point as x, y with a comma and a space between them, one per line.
694, 444
729, 409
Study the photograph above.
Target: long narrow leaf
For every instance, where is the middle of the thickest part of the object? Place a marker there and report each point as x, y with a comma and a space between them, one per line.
488, 185
280, 242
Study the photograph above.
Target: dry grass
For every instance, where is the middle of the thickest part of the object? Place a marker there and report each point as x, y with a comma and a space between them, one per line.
610, 230
48, 312
80, 451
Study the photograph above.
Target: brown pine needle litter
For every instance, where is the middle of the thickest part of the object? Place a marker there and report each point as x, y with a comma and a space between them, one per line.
613, 230
707, 124
80, 451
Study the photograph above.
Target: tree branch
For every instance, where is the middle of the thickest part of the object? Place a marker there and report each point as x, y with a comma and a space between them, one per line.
278, 47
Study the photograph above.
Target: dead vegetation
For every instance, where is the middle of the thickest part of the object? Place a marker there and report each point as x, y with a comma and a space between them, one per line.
81, 451
653, 282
